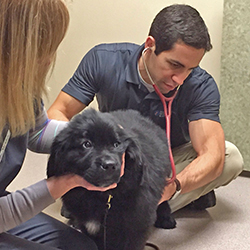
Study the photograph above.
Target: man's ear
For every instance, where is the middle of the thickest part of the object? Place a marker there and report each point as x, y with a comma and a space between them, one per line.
150, 43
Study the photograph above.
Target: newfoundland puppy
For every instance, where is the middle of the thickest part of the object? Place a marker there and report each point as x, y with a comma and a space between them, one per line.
94, 145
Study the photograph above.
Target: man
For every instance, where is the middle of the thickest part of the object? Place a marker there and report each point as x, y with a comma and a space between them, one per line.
117, 75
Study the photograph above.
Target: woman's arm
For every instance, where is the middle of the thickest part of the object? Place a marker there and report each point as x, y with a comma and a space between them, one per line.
41, 138
22, 205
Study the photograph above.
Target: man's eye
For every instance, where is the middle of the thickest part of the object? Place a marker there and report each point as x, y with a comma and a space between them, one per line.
175, 65
87, 144
116, 144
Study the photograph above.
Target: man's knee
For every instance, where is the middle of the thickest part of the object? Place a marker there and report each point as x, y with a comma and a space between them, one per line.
233, 160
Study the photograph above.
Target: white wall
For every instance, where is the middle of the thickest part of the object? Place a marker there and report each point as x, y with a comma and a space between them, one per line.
99, 21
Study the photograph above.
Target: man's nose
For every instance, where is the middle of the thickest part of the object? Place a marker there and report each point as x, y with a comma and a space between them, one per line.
180, 77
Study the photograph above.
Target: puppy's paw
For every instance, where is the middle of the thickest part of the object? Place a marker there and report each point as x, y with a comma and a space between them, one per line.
164, 218
166, 222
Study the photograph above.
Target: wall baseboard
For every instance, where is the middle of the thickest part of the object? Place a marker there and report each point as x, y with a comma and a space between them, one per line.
245, 173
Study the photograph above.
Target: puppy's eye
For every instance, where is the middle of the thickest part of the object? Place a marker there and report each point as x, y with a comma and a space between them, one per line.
87, 144
116, 144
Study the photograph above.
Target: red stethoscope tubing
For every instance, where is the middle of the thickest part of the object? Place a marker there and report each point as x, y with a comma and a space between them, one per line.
167, 113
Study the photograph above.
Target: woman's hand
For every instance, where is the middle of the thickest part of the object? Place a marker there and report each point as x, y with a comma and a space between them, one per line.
81, 182
58, 186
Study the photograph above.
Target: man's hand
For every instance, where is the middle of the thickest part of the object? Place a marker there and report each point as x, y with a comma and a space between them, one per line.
168, 192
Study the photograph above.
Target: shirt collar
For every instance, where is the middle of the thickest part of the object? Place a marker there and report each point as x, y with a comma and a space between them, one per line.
131, 72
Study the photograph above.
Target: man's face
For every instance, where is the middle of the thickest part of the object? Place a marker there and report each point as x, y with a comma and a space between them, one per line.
170, 68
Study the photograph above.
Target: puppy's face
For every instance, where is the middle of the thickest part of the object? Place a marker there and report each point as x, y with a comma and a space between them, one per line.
91, 146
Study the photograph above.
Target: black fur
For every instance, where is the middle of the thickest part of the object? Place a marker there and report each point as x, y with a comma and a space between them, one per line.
92, 146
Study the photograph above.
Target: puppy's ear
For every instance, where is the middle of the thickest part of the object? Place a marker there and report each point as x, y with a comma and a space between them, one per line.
133, 150
56, 163
139, 160
145, 168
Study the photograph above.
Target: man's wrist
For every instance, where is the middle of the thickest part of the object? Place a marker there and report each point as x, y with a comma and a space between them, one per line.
177, 190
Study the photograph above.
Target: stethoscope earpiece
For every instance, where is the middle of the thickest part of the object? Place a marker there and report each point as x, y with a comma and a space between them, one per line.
148, 48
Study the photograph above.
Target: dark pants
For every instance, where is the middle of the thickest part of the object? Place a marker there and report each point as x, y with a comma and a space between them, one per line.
44, 232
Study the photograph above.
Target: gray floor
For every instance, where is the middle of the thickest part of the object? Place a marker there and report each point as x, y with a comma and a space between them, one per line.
223, 227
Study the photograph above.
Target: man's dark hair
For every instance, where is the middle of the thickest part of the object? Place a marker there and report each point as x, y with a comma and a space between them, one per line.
179, 23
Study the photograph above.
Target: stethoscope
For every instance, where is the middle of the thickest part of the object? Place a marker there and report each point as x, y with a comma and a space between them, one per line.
167, 113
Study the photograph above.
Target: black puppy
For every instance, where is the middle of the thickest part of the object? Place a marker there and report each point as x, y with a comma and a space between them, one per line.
93, 146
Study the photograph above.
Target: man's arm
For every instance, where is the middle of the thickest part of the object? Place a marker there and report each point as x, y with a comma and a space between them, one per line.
208, 141
65, 107
207, 138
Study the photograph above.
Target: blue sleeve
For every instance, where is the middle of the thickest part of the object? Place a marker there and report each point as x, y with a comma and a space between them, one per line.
205, 102
83, 85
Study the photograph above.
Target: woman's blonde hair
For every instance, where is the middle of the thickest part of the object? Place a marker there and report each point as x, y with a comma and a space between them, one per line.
30, 33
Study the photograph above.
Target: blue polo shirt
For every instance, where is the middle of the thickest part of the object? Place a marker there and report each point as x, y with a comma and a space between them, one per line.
109, 71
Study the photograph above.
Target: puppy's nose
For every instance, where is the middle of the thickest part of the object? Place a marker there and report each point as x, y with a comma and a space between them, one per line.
108, 165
